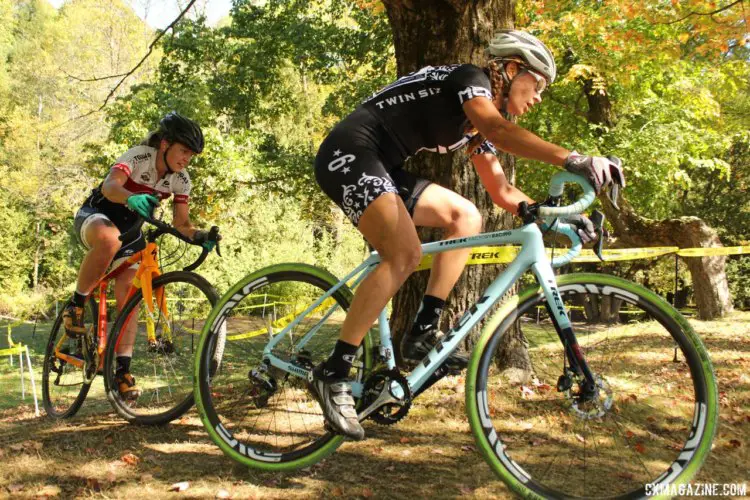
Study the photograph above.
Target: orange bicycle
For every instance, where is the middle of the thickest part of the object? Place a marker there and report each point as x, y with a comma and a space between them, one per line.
160, 321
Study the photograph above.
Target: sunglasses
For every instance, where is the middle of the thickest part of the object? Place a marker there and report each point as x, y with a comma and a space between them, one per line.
541, 82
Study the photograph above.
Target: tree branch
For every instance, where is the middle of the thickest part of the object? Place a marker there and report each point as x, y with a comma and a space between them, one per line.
96, 79
150, 49
694, 13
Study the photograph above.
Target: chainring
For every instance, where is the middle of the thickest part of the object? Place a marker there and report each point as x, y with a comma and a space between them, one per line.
380, 381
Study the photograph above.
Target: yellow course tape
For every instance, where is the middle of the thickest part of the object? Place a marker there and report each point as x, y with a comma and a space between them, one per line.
704, 252
506, 254
284, 321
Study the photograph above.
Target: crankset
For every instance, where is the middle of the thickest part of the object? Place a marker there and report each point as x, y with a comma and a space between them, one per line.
90, 357
386, 396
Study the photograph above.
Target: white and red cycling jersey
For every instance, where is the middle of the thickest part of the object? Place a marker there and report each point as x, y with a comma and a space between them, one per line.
139, 163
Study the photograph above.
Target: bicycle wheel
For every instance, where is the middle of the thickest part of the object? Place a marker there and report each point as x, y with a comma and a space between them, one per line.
163, 369
651, 424
259, 415
64, 387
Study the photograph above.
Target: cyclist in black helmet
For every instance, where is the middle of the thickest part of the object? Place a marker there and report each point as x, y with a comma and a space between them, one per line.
135, 184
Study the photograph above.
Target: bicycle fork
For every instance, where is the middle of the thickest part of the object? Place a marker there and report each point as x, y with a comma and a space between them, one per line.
573, 352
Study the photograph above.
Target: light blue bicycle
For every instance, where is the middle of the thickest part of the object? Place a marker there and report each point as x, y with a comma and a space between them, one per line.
613, 395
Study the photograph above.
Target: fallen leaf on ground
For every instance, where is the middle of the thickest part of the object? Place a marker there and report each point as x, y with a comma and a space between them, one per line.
404, 440
93, 483
367, 493
639, 448
130, 459
629, 434
735, 443
337, 492
181, 486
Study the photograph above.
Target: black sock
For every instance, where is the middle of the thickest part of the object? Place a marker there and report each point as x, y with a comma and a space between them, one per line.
340, 362
428, 315
123, 364
78, 299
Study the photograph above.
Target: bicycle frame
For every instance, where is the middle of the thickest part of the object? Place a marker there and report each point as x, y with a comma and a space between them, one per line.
531, 256
148, 269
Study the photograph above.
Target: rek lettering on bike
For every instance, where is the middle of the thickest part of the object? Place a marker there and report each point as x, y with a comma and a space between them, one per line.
340, 162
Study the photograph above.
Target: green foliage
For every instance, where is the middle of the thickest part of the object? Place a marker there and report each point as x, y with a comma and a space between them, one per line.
738, 271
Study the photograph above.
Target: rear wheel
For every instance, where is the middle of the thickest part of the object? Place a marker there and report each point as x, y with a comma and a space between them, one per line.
651, 423
163, 369
260, 415
65, 385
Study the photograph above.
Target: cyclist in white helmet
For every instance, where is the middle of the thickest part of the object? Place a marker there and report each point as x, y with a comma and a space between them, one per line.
358, 165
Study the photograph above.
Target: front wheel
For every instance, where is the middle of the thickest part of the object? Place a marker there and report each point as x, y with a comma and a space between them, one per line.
654, 413
161, 347
262, 415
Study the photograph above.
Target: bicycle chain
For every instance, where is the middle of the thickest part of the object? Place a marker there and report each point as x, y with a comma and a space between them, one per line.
381, 381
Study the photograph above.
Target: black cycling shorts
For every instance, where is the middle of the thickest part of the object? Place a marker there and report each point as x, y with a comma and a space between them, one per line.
130, 246
353, 166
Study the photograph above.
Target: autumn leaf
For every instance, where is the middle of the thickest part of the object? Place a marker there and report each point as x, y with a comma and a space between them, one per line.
93, 483
337, 492
683, 37
130, 459
367, 493
629, 434
404, 440
639, 448
735, 443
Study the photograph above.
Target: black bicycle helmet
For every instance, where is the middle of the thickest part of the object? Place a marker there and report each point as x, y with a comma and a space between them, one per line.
177, 128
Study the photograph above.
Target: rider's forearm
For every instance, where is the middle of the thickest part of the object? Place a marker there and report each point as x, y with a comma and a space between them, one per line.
520, 142
115, 192
187, 230
508, 198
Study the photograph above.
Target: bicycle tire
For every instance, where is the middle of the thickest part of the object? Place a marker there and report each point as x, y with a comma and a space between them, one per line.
137, 412
212, 393
508, 427
48, 368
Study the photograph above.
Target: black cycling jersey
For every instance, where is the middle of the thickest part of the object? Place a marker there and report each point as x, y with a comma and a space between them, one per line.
423, 110
361, 158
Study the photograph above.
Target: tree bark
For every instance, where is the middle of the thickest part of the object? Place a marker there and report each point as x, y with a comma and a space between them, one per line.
710, 285
708, 273
438, 32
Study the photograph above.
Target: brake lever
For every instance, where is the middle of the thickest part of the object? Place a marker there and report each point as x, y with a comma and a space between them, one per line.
597, 219
613, 193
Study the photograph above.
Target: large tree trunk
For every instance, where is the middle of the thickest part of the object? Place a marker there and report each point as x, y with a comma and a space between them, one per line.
709, 276
437, 32
710, 285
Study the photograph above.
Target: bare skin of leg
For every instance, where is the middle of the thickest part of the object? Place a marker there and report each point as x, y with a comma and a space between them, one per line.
122, 285
102, 236
443, 208
388, 227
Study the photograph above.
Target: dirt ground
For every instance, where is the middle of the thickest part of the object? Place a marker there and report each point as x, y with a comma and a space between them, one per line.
431, 454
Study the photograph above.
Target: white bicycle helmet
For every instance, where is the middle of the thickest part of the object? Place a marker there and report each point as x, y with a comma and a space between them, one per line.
509, 43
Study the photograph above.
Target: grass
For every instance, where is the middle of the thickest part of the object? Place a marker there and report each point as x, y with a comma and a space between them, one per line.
429, 454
